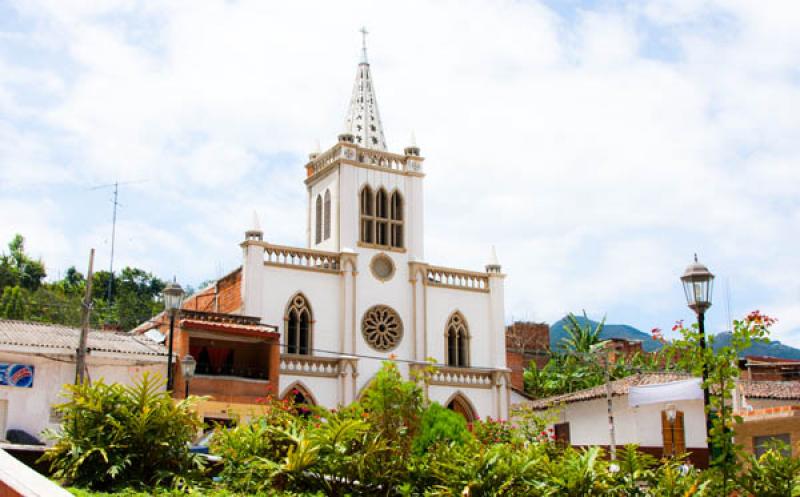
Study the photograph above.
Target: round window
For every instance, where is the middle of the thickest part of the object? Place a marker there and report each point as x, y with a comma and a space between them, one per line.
382, 328
382, 267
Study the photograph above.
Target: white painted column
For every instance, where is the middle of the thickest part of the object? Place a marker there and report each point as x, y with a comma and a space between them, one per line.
253, 277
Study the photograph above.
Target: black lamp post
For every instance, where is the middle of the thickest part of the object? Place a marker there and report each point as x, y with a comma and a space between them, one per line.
173, 296
698, 283
188, 364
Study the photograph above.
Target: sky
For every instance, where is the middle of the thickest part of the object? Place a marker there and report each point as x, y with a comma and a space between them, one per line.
597, 144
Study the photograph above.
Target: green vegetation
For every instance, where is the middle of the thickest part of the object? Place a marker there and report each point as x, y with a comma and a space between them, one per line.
358, 450
24, 293
114, 435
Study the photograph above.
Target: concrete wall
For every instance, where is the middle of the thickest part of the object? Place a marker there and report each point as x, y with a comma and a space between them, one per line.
641, 425
29, 409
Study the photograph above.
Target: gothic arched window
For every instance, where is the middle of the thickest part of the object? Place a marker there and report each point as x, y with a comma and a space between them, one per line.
318, 220
367, 215
457, 337
327, 216
298, 320
396, 215
382, 218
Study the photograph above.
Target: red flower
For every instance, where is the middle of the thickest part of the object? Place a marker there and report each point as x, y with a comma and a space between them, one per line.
678, 325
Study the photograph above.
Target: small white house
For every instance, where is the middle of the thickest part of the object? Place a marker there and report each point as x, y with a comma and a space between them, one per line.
660, 412
36, 360
657, 427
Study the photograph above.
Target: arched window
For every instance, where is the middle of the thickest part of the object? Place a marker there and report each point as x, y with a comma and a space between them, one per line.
327, 216
318, 220
298, 320
300, 398
457, 336
382, 218
367, 215
396, 215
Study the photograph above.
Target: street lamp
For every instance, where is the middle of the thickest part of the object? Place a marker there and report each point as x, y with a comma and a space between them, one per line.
698, 283
173, 296
187, 368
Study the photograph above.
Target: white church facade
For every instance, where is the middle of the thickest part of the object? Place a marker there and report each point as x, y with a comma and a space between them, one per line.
361, 291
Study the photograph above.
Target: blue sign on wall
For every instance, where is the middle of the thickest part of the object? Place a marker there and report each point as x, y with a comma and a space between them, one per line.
16, 375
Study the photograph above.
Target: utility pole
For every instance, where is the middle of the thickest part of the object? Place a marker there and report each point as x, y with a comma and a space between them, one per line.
609, 395
80, 356
110, 295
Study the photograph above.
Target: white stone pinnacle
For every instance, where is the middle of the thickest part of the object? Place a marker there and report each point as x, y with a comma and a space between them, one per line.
363, 119
256, 225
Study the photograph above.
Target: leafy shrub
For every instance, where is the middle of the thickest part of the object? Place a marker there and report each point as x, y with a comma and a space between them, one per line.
116, 435
492, 431
440, 425
773, 474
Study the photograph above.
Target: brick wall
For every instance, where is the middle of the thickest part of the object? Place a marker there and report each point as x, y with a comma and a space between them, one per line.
526, 342
224, 297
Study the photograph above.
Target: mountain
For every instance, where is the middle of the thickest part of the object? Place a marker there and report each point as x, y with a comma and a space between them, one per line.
771, 349
557, 332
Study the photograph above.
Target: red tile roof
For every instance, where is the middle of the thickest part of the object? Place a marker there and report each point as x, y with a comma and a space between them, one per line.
782, 390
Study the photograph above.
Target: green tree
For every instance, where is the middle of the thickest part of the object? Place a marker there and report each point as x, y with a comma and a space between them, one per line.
581, 336
440, 425
13, 303
18, 269
722, 372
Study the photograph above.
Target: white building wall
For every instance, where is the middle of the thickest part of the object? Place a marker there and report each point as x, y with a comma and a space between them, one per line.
481, 399
441, 304
29, 409
588, 422
328, 183
323, 292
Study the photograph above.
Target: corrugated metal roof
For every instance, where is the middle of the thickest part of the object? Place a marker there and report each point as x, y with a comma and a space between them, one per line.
786, 390
58, 339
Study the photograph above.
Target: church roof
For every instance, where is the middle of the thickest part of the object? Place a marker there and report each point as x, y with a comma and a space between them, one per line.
363, 119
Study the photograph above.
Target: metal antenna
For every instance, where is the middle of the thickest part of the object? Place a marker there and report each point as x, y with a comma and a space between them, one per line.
364, 34
115, 202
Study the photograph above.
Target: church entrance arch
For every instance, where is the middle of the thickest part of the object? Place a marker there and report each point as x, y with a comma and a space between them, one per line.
460, 404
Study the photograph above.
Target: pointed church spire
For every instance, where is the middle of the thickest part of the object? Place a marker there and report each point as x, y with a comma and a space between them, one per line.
254, 233
363, 119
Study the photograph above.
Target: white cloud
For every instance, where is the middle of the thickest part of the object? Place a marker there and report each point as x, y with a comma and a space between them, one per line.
597, 164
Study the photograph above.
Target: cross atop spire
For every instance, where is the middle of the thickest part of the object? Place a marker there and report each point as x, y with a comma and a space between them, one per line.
364, 34
363, 120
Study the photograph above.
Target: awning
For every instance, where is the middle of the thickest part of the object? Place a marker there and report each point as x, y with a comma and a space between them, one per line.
665, 392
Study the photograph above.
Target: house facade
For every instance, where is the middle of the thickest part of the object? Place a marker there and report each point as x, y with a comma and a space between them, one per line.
361, 291
37, 360
669, 419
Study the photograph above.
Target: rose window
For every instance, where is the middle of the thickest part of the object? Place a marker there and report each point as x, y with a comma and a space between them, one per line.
382, 328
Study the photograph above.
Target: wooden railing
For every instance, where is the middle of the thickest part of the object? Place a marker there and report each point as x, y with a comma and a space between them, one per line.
462, 377
315, 260
310, 365
457, 278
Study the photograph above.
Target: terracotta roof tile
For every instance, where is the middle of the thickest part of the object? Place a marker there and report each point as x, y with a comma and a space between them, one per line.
785, 390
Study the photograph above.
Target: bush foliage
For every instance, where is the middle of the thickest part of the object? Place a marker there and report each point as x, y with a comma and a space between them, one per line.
114, 435
390, 444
